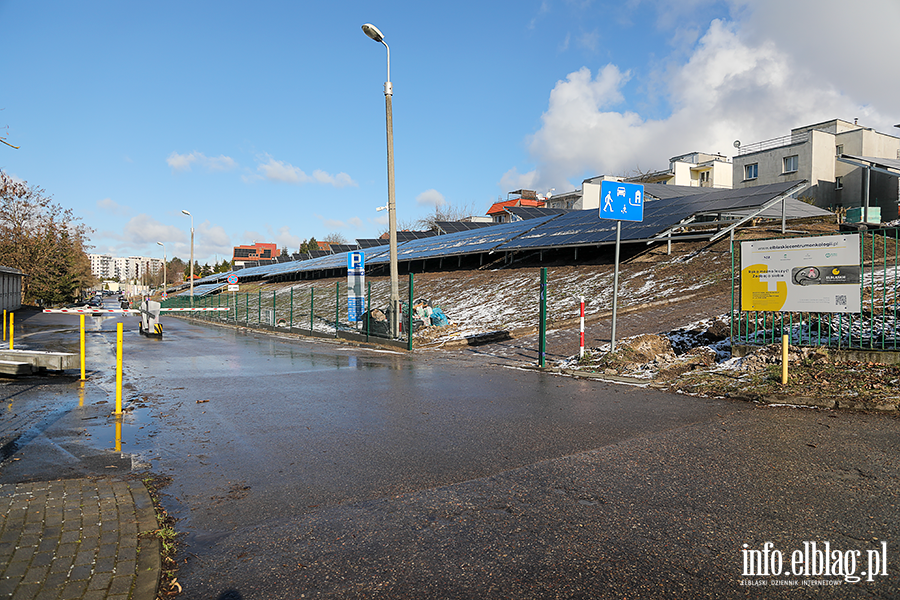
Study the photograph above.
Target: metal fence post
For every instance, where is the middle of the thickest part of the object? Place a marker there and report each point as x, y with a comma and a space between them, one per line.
542, 335
312, 307
291, 324
409, 313
337, 306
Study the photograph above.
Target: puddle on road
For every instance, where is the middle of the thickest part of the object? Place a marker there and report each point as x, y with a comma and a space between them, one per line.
121, 432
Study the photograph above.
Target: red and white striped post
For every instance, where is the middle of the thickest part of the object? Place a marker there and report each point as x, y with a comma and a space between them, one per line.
581, 348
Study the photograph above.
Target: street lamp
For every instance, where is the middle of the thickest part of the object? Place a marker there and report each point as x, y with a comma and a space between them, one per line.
192, 255
164, 266
373, 32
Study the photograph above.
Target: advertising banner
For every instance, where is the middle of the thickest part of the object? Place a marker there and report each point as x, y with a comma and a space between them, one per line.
813, 274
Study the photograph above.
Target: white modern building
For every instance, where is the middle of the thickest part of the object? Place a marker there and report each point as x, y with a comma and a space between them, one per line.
132, 268
694, 169
813, 152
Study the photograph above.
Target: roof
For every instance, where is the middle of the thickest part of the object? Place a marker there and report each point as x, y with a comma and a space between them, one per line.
887, 164
499, 207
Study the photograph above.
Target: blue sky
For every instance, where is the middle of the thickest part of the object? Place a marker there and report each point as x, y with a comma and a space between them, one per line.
266, 120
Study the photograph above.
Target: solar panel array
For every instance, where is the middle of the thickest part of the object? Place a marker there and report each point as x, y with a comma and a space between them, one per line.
371, 242
405, 236
533, 212
335, 248
585, 227
561, 228
485, 239
456, 226
203, 289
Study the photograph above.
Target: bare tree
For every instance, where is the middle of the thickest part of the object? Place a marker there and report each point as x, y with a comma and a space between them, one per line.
446, 212
335, 238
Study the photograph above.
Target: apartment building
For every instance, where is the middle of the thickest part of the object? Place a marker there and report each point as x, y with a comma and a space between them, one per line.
694, 169
811, 152
131, 268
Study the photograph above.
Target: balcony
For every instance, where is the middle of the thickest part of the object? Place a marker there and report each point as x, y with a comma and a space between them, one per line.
787, 140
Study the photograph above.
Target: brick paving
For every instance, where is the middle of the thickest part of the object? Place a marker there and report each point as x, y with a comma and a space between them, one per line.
77, 538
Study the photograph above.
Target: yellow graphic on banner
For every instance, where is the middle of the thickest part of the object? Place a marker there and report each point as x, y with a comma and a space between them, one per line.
755, 294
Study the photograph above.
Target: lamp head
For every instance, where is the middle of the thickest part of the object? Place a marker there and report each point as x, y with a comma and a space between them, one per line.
186, 212
373, 32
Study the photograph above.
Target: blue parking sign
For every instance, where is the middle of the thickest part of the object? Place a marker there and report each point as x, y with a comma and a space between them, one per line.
356, 279
621, 201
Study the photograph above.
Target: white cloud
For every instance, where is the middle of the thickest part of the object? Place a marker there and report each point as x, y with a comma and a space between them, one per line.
751, 78
431, 197
340, 180
183, 162
285, 239
111, 206
336, 225
144, 229
210, 240
276, 170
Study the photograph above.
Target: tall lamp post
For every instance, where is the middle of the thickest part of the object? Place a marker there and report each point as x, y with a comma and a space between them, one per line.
373, 32
192, 255
164, 266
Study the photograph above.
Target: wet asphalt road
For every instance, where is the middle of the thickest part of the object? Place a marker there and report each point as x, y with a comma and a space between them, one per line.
315, 470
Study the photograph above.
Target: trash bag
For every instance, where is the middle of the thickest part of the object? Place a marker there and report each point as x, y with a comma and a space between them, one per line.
438, 318
377, 323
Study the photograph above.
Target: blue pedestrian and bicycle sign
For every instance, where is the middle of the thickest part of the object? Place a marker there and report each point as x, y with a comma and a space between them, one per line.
621, 201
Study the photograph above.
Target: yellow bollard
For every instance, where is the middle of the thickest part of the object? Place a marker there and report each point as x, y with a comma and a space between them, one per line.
4, 324
11, 329
784, 359
118, 434
118, 368
81, 318
81, 393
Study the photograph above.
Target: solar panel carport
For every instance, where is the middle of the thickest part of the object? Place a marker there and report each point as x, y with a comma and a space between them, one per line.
664, 214
586, 228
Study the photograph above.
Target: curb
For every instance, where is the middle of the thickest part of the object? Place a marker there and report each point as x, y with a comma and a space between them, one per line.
149, 566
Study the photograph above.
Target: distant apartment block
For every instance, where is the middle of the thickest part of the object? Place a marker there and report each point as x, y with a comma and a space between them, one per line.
107, 266
812, 152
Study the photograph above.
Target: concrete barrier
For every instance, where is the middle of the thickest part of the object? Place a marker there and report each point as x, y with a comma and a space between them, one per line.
53, 361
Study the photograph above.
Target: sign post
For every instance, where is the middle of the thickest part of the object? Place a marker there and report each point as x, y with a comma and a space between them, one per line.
356, 282
622, 202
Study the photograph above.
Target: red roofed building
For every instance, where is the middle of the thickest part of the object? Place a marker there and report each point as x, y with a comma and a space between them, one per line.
498, 213
258, 254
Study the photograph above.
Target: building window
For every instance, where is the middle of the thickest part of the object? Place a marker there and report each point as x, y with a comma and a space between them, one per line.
751, 171
838, 183
839, 150
790, 164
